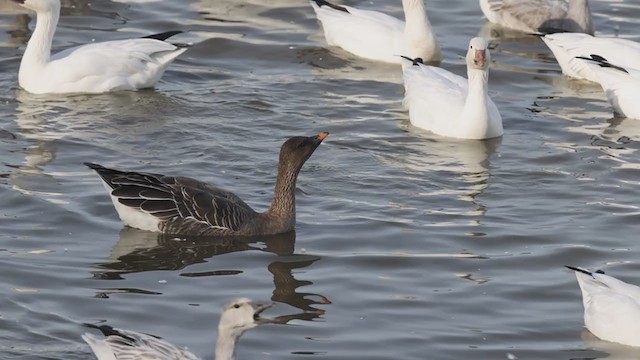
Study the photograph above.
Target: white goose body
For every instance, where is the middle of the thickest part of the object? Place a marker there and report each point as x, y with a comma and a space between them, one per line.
540, 15
377, 36
611, 307
237, 316
450, 105
567, 46
621, 85
92, 68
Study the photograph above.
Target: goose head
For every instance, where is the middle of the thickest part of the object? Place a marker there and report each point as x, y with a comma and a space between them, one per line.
40, 6
478, 56
240, 315
297, 150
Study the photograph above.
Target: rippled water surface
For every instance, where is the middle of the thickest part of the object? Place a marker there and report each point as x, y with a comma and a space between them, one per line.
407, 246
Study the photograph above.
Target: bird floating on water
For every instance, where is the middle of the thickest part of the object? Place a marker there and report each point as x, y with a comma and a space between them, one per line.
547, 16
566, 47
185, 206
237, 317
621, 84
377, 36
92, 68
450, 105
611, 307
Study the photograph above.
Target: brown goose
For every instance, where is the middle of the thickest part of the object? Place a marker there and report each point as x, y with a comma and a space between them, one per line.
185, 206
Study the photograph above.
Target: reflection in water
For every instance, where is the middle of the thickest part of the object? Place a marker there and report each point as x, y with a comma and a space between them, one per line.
468, 160
107, 120
140, 251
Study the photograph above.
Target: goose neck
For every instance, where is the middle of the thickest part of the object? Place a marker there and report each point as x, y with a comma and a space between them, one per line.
478, 80
580, 12
283, 205
419, 38
38, 48
226, 343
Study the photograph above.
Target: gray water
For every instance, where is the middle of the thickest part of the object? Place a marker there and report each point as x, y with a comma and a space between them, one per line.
407, 245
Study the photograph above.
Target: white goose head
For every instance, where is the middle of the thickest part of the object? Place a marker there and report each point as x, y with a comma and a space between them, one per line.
41, 6
478, 56
240, 315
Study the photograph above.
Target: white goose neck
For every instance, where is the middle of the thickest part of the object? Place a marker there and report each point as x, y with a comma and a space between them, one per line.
420, 40
580, 12
478, 80
38, 50
226, 343
475, 110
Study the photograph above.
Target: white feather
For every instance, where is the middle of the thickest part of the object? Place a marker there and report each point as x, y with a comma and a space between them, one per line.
377, 36
92, 68
131, 216
611, 308
567, 46
440, 101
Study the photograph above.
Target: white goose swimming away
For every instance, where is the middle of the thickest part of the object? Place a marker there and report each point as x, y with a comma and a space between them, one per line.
621, 84
540, 15
237, 316
450, 105
377, 36
611, 307
566, 47
92, 68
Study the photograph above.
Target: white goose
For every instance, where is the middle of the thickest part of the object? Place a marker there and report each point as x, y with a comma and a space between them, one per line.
611, 307
377, 36
567, 46
540, 15
237, 317
620, 84
92, 68
450, 105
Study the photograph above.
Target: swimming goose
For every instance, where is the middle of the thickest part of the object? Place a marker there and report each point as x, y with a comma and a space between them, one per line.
377, 36
611, 307
185, 206
450, 105
620, 84
92, 68
540, 15
567, 46
237, 317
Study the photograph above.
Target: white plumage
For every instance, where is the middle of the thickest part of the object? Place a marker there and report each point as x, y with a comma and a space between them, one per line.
620, 84
92, 68
237, 317
450, 105
540, 15
611, 307
567, 46
377, 36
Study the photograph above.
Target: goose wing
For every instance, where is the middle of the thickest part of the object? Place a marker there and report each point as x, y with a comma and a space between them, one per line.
533, 13
112, 65
167, 197
130, 345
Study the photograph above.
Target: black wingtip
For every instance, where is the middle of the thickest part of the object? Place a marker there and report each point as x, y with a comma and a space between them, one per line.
602, 62
163, 36
322, 3
93, 166
107, 330
583, 270
415, 61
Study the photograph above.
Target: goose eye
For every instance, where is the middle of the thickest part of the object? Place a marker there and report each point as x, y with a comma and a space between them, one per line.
471, 47
236, 306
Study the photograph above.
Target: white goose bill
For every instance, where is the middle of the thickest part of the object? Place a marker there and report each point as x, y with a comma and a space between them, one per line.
480, 57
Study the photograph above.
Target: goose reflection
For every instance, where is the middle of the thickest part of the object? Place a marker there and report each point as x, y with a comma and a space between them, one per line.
140, 251
45, 123
467, 161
